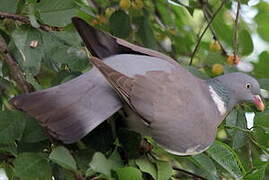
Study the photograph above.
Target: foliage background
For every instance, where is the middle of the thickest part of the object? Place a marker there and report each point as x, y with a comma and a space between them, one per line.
40, 48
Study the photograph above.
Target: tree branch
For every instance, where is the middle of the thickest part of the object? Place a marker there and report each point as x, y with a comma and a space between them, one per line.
189, 173
208, 16
25, 20
203, 33
16, 73
235, 30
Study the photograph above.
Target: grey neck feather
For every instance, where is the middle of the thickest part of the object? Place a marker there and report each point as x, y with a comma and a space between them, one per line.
225, 93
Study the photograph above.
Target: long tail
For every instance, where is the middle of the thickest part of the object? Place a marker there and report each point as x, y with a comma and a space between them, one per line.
71, 110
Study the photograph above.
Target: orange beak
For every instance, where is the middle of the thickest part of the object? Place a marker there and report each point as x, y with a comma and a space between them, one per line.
259, 103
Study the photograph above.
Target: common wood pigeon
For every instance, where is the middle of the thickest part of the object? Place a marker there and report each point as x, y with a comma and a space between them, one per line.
162, 99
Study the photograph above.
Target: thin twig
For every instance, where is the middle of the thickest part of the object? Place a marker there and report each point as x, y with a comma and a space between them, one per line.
188, 173
264, 149
25, 20
208, 16
97, 6
203, 33
16, 73
235, 30
250, 155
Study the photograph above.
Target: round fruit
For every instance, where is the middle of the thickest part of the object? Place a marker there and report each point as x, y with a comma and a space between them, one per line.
215, 46
217, 69
125, 4
233, 60
109, 11
138, 4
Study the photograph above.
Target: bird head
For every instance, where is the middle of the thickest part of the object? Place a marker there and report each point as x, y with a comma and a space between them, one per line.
243, 88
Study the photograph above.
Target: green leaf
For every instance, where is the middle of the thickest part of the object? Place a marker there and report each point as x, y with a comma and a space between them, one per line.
120, 24
165, 12
223, 31
207, 166
130, 141
230, 120
214, 57
146, 166
226, 158
30, 58
129, 173
9, 148
237, 118
240, 138
83, 158
62, 156
103, 165
8, 6
165, 170
56, 12
262, 66
256, 173
33, 132
12, 124
31, 15
101, 138
145, 33
264, 83
32, 166
245, 43
261, 20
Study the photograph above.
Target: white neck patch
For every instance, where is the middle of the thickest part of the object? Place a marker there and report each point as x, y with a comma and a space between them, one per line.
218, 101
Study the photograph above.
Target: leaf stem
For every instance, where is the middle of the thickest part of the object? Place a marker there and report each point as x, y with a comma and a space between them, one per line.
235, 30
203, 33
208, 15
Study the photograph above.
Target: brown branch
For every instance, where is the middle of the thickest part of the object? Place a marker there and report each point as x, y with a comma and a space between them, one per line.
189, 173
235, 30
15, 72
203, 33
25, 20
208, 16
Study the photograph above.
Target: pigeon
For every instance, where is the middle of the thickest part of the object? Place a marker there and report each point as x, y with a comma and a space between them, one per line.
163, 100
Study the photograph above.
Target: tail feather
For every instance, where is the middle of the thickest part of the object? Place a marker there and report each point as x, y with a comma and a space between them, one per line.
99, 43
103, 45
71, 110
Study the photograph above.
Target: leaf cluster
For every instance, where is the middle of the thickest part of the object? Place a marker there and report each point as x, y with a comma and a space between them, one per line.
48, 51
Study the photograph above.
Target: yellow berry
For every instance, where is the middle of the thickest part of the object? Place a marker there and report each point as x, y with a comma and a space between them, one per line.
222, 134
109, 11
125, 4
217, 69
233, 60
215, 46
137, 4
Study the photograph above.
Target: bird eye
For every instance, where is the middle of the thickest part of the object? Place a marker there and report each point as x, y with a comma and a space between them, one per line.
248, 85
